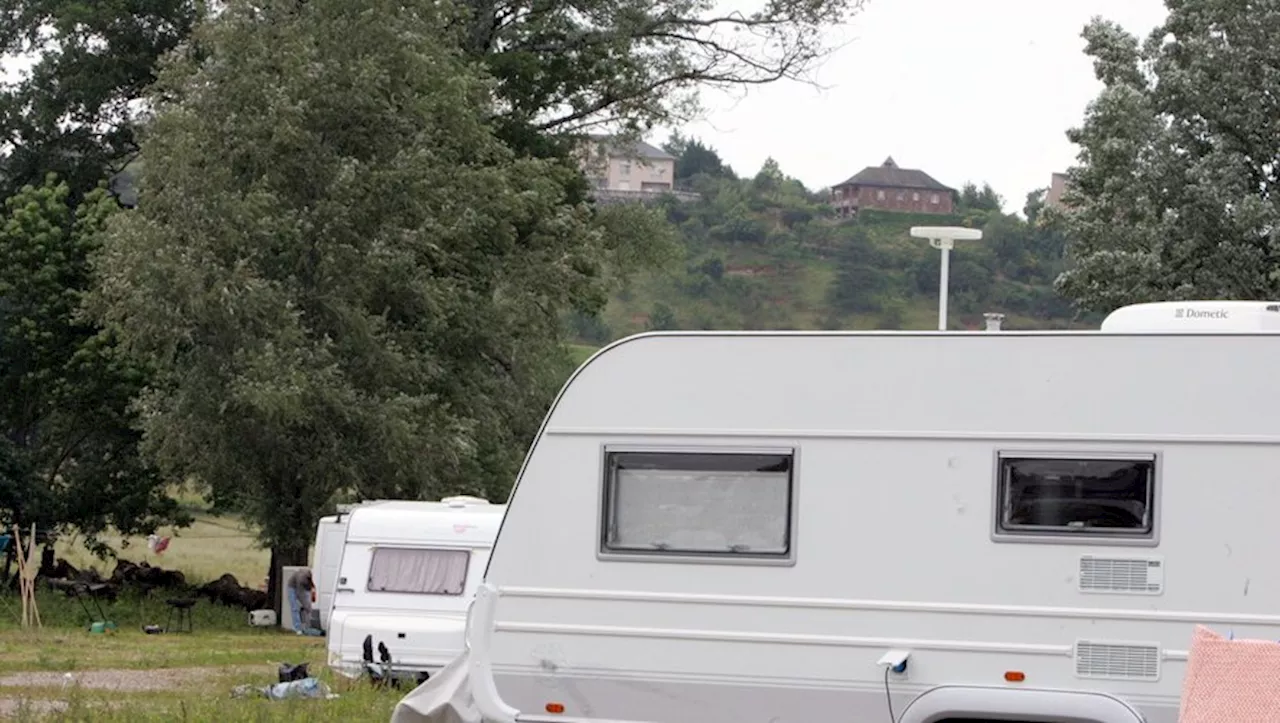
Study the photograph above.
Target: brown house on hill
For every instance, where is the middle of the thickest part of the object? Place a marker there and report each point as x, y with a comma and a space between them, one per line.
889, 188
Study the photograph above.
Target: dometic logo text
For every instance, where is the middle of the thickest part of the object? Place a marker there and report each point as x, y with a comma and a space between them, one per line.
1201, 314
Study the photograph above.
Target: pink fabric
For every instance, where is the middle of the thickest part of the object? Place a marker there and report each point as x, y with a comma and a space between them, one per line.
1230, 681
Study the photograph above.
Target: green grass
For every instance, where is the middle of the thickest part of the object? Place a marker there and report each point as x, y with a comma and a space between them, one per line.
579, 353
360, 703
351, 705
132, 610
131, 676
131, 649
162, 685
174, 676
166, 677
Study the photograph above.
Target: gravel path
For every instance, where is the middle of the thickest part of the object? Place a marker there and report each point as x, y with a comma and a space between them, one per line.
127, 681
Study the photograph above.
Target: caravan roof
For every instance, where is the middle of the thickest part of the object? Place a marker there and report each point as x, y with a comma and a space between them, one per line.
460, 520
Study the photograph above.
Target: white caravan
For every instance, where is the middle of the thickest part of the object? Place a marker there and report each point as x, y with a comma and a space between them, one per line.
326, 555
787, 527
331, 534
409, 571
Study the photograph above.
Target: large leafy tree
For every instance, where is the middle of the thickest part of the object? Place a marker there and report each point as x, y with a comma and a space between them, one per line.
1176, 192
344, 279
77, 111
68, 448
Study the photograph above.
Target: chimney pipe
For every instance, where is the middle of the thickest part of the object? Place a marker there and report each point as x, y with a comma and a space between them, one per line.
993, 321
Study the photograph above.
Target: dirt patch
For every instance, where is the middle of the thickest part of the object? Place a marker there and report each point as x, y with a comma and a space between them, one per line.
127, 681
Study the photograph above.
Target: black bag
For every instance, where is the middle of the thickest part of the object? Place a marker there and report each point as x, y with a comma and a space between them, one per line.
290, 673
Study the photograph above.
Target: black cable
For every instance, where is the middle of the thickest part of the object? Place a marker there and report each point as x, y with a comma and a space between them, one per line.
888, 698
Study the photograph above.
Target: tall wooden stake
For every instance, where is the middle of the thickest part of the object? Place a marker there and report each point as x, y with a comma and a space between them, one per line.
27, 571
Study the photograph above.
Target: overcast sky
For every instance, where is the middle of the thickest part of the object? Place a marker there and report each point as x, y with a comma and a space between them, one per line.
966, 90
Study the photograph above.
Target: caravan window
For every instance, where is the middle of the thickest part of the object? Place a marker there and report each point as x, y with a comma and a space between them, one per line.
1090, 496
422, 571
708, 504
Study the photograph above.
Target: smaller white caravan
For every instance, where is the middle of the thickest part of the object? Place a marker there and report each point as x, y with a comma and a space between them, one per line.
331, 534
408, 573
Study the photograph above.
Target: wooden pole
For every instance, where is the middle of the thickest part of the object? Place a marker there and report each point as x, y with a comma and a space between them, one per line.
27, 577
22, 575
31, 586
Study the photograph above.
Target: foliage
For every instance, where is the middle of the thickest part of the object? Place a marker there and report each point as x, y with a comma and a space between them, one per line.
68, 453
974, 199
764, 252
564, 67
860, 282
1174, 194
346, 281
693, 158
76, 113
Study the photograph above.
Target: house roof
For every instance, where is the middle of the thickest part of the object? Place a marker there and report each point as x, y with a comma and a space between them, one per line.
889, 175
637, 149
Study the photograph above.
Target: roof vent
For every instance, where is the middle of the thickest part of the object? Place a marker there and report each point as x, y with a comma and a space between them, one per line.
1193, 316
993, 321
464, 500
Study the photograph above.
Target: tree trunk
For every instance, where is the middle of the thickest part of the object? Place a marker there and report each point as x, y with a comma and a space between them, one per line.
9, 575
48, 561
282, 556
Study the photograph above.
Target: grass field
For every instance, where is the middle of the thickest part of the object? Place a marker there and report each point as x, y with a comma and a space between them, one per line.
62, 672
208, 549
67, 674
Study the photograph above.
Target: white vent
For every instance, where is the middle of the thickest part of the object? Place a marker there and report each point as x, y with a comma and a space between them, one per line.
1117, 661
1128, 575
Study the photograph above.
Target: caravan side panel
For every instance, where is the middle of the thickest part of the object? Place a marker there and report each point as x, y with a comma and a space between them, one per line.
331, 533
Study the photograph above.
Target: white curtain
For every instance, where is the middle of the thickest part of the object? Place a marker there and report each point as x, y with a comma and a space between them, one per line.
440, 572
679, 510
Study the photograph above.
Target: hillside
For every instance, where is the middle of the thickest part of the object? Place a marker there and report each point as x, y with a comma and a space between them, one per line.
766, 253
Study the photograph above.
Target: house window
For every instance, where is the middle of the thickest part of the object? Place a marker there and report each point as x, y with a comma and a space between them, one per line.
625, 168
915, 197
419, 571
879, 195
934, 199
701, 504
1086, 496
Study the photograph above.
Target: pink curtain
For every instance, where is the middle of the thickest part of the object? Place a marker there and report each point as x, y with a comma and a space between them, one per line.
438, 572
